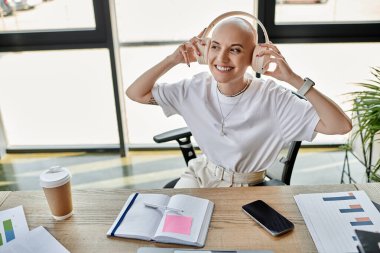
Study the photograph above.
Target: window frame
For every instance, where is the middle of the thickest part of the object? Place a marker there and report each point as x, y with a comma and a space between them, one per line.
56, 39
103, 36
315, 33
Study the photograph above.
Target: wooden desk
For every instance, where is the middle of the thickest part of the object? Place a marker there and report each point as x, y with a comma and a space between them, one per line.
95, 211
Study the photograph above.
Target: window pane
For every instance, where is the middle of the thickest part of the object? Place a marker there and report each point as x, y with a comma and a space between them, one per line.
145, 121
27, 15
147, 20
58, 98
334, 68
326, 11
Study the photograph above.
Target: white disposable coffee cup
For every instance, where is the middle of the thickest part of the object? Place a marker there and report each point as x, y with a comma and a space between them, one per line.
57, 188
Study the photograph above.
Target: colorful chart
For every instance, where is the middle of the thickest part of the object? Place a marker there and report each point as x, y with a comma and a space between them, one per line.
352, 209
349, 196
12, 225
8, 229
355, 208
362, 221
339, 214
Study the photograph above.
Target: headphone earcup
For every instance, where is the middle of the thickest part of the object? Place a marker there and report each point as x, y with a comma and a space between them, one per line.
203, 59
258, 62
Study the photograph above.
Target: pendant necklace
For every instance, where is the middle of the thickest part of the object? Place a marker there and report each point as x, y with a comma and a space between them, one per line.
224, 118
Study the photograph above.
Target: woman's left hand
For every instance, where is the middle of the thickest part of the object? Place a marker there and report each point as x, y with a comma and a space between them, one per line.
282, 71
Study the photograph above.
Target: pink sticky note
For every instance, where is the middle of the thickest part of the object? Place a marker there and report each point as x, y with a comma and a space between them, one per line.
177, 224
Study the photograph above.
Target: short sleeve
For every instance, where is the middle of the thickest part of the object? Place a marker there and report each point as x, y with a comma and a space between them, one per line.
173, 97
170, 96
297, 117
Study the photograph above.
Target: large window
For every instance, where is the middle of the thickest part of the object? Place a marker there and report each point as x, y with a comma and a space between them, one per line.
39, 15
59, 76
170, 20
57, 60
326, 11
304, 21
335, 67
58, 98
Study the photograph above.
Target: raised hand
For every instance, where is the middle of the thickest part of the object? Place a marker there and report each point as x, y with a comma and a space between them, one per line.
282, 71
188, 51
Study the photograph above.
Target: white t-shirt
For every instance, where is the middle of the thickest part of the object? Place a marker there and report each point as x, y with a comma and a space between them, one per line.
266, 118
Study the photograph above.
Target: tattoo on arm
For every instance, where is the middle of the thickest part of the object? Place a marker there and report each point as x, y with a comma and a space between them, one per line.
152, 101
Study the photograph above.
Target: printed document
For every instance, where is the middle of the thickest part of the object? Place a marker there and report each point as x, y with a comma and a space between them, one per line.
332, 218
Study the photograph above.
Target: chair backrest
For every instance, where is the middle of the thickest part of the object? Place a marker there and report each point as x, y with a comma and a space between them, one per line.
282, 168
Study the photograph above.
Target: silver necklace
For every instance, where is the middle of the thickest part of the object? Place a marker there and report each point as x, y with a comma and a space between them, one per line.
224, 118
236, 94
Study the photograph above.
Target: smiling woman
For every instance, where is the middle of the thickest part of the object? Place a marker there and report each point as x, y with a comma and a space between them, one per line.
240, 122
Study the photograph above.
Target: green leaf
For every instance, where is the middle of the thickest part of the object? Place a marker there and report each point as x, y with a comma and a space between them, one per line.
366, 112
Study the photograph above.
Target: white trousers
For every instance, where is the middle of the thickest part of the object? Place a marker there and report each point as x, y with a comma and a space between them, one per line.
202, 173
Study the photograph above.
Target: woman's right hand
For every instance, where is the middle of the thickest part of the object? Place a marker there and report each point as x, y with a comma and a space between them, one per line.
189, 51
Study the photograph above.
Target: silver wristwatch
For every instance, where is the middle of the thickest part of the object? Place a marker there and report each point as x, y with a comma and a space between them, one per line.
308, 83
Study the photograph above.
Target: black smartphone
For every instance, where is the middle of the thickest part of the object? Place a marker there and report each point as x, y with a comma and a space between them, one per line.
268, 218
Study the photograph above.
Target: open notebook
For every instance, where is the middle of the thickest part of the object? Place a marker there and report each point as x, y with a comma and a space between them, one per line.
180, 219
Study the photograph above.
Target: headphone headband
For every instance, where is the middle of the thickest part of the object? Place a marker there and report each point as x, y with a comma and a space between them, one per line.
235, 13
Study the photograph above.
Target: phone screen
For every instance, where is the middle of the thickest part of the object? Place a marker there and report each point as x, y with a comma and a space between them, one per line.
268, 218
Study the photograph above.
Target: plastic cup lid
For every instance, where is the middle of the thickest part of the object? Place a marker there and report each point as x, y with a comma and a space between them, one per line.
54, 177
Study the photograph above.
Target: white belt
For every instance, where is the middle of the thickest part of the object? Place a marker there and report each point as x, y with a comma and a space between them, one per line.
232, 177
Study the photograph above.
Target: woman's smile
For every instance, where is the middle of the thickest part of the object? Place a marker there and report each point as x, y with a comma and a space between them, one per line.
223, 68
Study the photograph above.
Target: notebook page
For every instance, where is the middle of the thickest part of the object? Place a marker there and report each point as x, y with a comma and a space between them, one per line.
193, 207
140, 221
332, 218
206, 224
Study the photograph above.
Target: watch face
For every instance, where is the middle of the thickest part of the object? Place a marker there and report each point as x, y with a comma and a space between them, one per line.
309, 81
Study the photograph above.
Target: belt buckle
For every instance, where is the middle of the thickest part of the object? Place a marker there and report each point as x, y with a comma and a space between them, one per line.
220, 169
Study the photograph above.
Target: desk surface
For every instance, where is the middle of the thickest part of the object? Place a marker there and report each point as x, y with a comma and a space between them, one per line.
230, 228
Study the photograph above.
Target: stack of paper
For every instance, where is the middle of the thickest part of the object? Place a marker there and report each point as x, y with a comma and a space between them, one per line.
333, 217
16, 237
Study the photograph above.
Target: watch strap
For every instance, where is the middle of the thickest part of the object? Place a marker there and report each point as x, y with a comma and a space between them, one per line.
308, 83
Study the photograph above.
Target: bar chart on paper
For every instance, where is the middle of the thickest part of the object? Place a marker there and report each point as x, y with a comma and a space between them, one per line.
358, 220
12, 224
331, 218
9, 232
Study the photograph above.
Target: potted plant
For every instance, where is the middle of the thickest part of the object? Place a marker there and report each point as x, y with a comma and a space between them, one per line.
366, 118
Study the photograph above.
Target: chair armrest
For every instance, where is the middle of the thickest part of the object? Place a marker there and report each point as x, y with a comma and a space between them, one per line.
172, 135
182, 136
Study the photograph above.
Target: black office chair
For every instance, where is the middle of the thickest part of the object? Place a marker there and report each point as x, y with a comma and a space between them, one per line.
278, 174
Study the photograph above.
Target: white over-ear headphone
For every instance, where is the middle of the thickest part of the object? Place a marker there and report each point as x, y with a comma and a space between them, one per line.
257, 62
